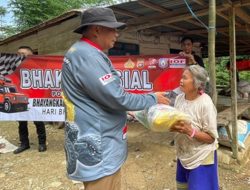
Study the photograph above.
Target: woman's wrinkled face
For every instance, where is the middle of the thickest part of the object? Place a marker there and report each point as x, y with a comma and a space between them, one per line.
187, 82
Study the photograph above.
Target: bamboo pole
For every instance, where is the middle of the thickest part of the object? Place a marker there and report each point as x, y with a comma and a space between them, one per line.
211, 49
233, 81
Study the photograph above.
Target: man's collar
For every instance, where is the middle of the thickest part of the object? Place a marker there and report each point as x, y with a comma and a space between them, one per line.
91, 43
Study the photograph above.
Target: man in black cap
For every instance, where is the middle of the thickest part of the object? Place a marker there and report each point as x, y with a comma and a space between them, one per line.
96, 104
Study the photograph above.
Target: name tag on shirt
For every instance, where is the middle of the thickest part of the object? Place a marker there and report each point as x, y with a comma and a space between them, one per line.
106, 79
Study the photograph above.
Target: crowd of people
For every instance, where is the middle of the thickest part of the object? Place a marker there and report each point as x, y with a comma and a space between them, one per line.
95, 129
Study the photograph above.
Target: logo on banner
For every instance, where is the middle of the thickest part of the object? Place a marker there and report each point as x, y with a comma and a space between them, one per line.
140, 63
152, 63
129, 64
10, 99
106, 79
177, 63
163, 63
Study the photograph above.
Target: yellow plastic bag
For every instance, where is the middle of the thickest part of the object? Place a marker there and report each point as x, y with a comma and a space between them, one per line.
160, 118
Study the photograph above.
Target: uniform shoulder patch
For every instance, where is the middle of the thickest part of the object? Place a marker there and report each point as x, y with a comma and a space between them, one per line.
106, 79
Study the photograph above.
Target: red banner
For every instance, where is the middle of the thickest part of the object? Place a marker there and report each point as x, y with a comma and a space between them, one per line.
33, 90
243, 65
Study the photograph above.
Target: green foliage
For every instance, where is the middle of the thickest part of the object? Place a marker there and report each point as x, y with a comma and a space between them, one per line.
2, 11
29, 13
245, 75
5, 29
222, 73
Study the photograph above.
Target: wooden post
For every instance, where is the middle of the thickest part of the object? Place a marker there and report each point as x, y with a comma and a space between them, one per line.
233, 81
211, 49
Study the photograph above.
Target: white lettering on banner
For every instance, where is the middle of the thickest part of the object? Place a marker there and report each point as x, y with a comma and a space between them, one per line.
125, 75
145, 81
48, 79
25, 79
135, 80
39, 78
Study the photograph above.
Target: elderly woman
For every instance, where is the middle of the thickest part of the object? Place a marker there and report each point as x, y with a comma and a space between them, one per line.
196, 142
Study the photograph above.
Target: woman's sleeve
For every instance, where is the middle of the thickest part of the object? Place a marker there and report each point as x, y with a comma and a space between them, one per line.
209, 124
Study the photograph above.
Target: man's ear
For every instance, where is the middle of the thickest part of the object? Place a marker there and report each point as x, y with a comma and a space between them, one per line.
99, 29
96, 30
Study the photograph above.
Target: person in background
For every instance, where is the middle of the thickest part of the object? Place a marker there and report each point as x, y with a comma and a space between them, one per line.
96, 104
196, 141
187, 51
23, 125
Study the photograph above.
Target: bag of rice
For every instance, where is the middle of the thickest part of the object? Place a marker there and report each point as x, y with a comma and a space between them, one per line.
160, 118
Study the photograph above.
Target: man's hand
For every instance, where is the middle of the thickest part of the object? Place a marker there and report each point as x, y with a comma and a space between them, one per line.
161, 98
190, 57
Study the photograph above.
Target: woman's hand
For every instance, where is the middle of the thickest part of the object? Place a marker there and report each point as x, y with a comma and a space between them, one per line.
182, 127
186, 128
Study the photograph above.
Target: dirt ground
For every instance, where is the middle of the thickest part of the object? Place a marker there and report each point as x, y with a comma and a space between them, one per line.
150, 164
